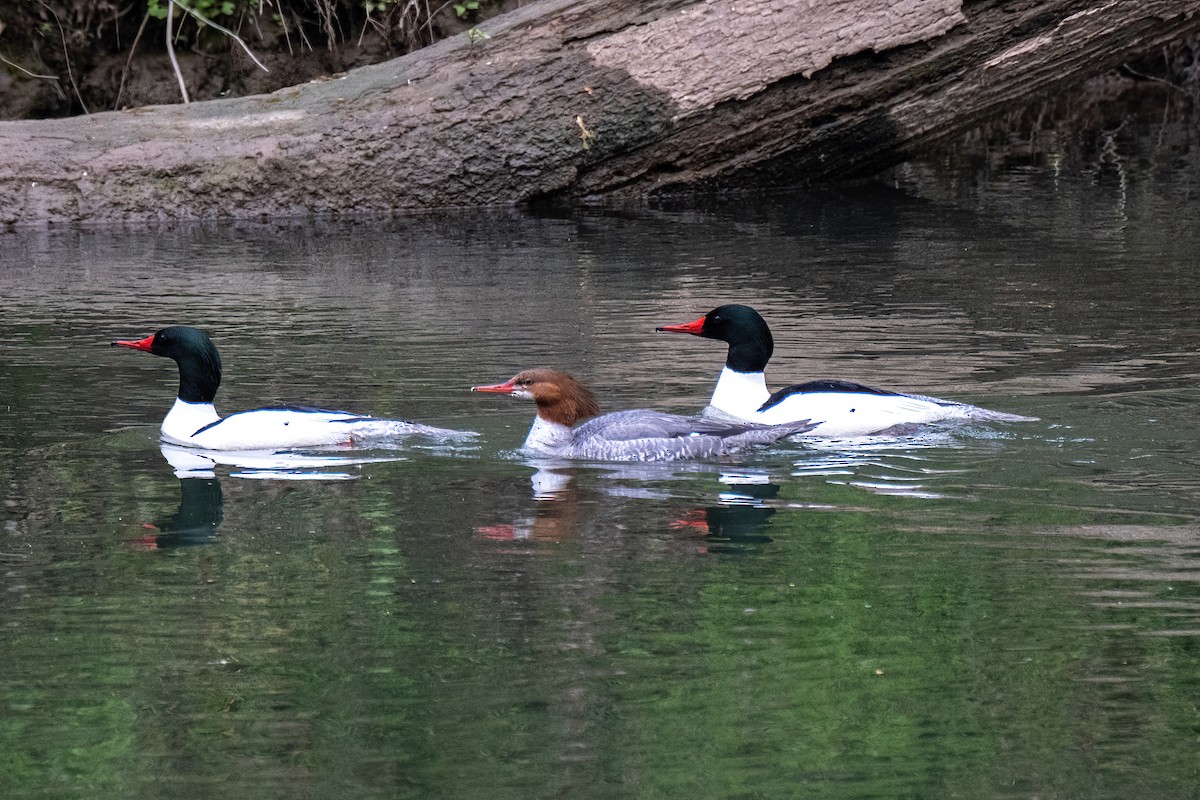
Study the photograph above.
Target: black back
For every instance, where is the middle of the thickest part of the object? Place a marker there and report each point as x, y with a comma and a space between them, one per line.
821, 386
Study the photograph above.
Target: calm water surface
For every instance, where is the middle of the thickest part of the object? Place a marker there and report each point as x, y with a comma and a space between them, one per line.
983, 612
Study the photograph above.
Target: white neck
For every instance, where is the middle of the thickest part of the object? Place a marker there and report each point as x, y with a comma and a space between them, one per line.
739, 393
184, 419
548, 437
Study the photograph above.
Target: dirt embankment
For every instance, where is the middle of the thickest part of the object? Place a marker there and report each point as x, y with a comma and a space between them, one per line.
67, 57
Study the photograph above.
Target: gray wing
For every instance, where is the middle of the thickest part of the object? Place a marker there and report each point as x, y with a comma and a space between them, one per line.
645, 424
654, 436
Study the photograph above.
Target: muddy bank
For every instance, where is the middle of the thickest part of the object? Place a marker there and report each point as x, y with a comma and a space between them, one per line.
68, 57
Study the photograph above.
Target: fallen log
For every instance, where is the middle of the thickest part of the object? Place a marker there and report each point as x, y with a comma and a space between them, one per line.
586, 101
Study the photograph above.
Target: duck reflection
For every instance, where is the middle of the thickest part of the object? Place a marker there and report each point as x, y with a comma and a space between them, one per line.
201, 508
555, 511
267, 464
739, 518
557, 502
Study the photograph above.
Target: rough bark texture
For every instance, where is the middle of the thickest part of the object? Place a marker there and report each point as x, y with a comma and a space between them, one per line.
586, 100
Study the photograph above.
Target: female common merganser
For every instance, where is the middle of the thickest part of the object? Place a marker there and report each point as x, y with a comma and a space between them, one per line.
193, 421
837, 408
637, 435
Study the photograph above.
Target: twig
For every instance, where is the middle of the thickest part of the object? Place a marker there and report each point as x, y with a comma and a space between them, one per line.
117, 14
303, 36
223, 30
429, 19
1137, 74
286, 36
254, 19
412, 32
129, 60
66, 56
171, 50
326, 12
27, 72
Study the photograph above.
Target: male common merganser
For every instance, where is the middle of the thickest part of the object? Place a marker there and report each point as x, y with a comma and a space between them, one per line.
637, 435
193, 421
837, 408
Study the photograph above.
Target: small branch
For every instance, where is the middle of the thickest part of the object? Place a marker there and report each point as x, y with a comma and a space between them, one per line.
171, 50
286, 36
1146, 77
429, 19
325, 9
300, 29
129, 60
67, 57
223, 30
27, 72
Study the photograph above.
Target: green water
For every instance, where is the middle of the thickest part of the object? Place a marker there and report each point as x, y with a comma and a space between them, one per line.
995, 612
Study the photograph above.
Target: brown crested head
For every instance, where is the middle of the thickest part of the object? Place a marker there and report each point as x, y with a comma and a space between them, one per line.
559, 397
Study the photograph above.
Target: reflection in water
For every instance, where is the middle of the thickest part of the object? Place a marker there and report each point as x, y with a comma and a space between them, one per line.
901, 466
739, 518
266, 464
547, 523
194, 522
550, 482
743, 508
201, 502
556, 506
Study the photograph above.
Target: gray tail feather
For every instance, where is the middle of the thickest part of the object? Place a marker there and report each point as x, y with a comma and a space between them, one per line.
988, 415
975, 412
768, 434
390, 428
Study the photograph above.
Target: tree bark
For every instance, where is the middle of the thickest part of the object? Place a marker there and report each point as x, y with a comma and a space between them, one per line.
586, 101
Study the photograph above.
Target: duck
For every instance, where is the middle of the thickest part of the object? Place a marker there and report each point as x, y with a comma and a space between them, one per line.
193, 420
836, 408
634, 435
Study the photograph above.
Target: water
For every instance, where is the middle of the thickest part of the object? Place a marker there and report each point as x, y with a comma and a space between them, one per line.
1008, 611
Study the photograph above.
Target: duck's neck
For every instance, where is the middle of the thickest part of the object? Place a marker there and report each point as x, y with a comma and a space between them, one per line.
547, 436
739, 393
751, 351
184, 419
199, 375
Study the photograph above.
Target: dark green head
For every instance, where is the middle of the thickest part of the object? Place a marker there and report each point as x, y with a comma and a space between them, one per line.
197, 357
742, 328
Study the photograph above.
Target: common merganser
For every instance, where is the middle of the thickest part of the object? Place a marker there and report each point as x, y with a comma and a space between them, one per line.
193, 421
837, 408
636, 435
